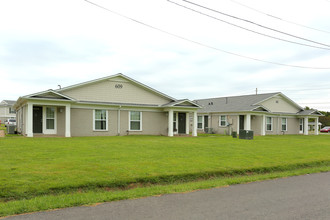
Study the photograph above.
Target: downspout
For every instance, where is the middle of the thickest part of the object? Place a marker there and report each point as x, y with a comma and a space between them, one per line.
118, 121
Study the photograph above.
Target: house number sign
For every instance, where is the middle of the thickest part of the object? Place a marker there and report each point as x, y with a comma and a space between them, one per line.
119, 86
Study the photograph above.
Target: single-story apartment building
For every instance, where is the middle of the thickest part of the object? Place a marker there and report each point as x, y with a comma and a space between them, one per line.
119, 105
114, 105
265, 114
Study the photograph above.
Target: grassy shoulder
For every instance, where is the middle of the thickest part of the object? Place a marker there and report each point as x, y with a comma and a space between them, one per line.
46, 173
90, 197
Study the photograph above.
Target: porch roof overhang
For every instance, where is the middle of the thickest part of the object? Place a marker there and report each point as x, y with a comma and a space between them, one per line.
185, 103
48, 95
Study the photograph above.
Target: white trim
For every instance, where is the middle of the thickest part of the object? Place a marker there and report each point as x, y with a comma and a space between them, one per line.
115, 107
29, 120
47, 98
46, 130
222, 121
68, 121
194, 131
129, 121
202, 122
170, 123
237, 124
263, 125
106, 121
316, 126
301, 123
247, 122
271, 123
305, 125
286, 124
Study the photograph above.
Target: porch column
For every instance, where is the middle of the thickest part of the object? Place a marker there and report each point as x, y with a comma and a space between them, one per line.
194, 131
306, 126
187, 123
237, 124
29, 121
170, 123
68, 120
263, 125
247, 122
316, 126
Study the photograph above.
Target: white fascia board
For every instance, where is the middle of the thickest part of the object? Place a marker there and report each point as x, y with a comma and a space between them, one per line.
48, 91
261, 106
182, 101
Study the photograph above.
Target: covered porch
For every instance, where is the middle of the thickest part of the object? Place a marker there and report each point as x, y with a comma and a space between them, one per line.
47, 119
276, 124
179, 117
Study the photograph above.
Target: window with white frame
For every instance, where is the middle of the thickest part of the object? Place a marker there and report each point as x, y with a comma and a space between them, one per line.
200, 122
12, 110
223, 120
100, 120
135, 122
284, 124
50, 118
269, 124
301, 124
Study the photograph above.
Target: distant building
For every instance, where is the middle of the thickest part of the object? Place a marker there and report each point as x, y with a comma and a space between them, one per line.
6, 110
265, 114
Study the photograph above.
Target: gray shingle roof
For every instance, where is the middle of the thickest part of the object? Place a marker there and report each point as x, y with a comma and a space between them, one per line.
232, 103
8, 102
309, 112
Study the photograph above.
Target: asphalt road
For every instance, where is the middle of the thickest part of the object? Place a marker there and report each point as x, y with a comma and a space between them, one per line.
300, 197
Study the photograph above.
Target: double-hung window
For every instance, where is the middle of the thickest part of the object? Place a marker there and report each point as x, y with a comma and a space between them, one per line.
135, 121
284, 124
200, 122
100, 120
223, 120
50, 118
269, 123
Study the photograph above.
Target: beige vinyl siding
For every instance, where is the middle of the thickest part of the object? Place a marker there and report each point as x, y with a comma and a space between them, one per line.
61, 121
153, 123
214, 123
256, 121
109, 91
82, 123
278, 104
292, 126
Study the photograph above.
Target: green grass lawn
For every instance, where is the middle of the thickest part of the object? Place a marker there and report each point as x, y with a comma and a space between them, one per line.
38, 167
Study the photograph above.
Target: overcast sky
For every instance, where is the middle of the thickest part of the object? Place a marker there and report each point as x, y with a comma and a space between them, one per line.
180, 52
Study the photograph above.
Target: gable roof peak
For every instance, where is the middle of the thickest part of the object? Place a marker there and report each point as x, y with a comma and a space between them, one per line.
114, 76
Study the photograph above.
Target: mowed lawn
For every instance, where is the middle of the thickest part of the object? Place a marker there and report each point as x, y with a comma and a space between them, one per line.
39, 166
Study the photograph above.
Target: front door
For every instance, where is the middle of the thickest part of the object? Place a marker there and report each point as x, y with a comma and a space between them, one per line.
206, 123
241, 122
37, 119
182, 123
